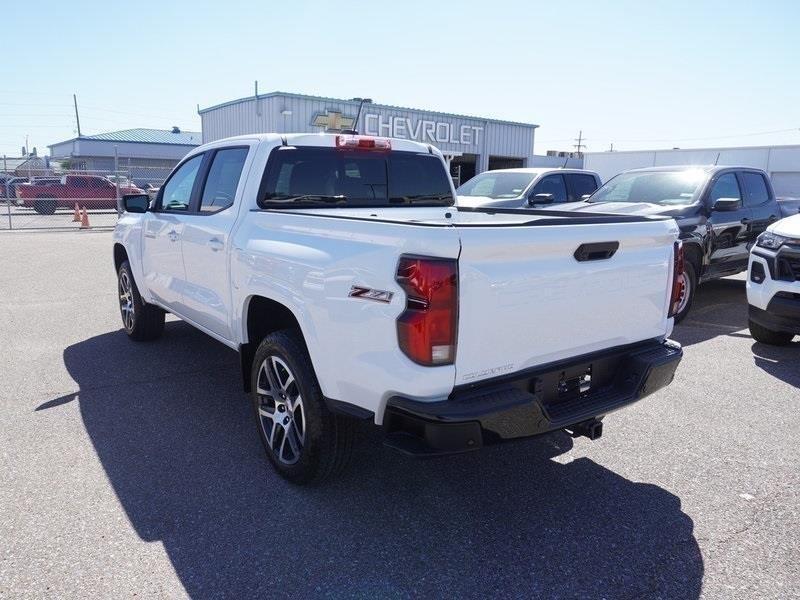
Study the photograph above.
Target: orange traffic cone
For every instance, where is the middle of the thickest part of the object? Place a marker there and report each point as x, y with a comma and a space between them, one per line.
85, 219
76, 218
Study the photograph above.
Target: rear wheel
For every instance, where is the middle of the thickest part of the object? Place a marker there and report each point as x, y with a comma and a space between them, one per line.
767, 336
142, 322
689, 277
45, 205
303, 440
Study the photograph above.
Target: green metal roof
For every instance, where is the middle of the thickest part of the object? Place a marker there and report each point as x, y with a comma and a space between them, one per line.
143, 136
149, 136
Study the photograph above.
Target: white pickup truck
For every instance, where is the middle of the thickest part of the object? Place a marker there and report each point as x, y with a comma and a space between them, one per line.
353, 288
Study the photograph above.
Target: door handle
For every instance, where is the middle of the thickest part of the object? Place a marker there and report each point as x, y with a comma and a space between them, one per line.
216, 244
173, 236
745, 221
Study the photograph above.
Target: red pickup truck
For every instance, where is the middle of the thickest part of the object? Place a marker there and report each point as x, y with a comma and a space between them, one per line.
89, 191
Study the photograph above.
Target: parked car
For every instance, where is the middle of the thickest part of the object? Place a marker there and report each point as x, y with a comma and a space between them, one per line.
8, 188
773, 283
351, 287
522, 188
90, 191
151, 190
720, 212
4, 179
790, 205
122, 179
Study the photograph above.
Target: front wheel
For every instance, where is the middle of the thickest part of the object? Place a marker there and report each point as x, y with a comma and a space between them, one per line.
767, 336
303, 440
142, 322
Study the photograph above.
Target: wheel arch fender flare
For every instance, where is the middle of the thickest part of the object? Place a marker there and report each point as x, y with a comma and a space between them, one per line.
260, 316
694, 252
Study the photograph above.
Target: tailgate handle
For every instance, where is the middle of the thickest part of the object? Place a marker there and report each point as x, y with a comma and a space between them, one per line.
596, 251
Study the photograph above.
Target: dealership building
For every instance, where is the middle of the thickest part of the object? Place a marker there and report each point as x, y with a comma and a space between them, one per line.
470, 144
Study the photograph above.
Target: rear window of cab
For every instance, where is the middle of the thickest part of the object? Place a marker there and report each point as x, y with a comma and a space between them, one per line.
312, 176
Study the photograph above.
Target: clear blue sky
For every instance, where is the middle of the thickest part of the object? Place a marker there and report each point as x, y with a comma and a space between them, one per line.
682, 74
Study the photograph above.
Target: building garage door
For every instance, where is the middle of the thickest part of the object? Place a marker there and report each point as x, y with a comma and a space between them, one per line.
786, 183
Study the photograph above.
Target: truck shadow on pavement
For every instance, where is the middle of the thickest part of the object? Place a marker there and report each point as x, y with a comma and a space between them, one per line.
719, 308
176, 437
782, 362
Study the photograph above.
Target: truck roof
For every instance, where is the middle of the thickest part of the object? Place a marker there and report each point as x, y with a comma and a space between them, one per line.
543, 170
711, 169
318, 139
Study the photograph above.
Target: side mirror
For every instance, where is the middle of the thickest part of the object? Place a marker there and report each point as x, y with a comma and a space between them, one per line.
136, 203
586, 196
727, 204
541, 199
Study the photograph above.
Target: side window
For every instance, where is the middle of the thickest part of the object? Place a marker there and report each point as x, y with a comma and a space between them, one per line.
178, 190
725, 187
223, 179
552, 184
580, 185
755, 188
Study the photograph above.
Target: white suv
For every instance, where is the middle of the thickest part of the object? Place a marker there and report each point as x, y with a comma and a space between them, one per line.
773, 283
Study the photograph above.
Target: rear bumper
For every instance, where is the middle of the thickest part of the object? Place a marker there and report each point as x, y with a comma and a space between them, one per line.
551, 397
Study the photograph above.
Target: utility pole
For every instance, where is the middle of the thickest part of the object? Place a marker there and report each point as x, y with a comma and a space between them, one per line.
579, 145
611, 149
8, 194
77, 118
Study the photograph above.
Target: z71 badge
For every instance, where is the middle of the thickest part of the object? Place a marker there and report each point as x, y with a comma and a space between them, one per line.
366, 293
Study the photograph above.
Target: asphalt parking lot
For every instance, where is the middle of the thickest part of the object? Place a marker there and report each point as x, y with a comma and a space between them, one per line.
135, 469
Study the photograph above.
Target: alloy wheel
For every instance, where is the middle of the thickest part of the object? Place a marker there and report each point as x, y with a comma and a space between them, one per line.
126, 301
280, 410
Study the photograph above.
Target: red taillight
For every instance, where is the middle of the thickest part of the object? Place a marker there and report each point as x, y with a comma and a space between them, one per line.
427, 329
677, 279
360, 142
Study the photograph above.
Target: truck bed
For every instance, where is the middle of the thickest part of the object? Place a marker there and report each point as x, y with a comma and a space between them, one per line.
524, 297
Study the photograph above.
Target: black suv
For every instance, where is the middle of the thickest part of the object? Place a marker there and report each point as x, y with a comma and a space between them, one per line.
720, 212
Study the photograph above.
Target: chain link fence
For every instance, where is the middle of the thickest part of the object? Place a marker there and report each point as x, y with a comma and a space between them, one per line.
71, 198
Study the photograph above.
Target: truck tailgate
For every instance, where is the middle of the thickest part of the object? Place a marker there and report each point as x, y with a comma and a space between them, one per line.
526, 300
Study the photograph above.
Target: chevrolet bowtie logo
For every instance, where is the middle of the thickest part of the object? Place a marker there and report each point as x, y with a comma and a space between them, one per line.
333, 121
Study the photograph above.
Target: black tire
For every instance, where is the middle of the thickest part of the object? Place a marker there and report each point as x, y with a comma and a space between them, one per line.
325, 441
767, 336
45, 205
690, 275
145, 322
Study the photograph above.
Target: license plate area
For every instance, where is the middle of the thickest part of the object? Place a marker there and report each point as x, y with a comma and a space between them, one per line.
575, 381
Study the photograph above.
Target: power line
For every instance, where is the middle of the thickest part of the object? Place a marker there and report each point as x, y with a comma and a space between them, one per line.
692, 139
717, 137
